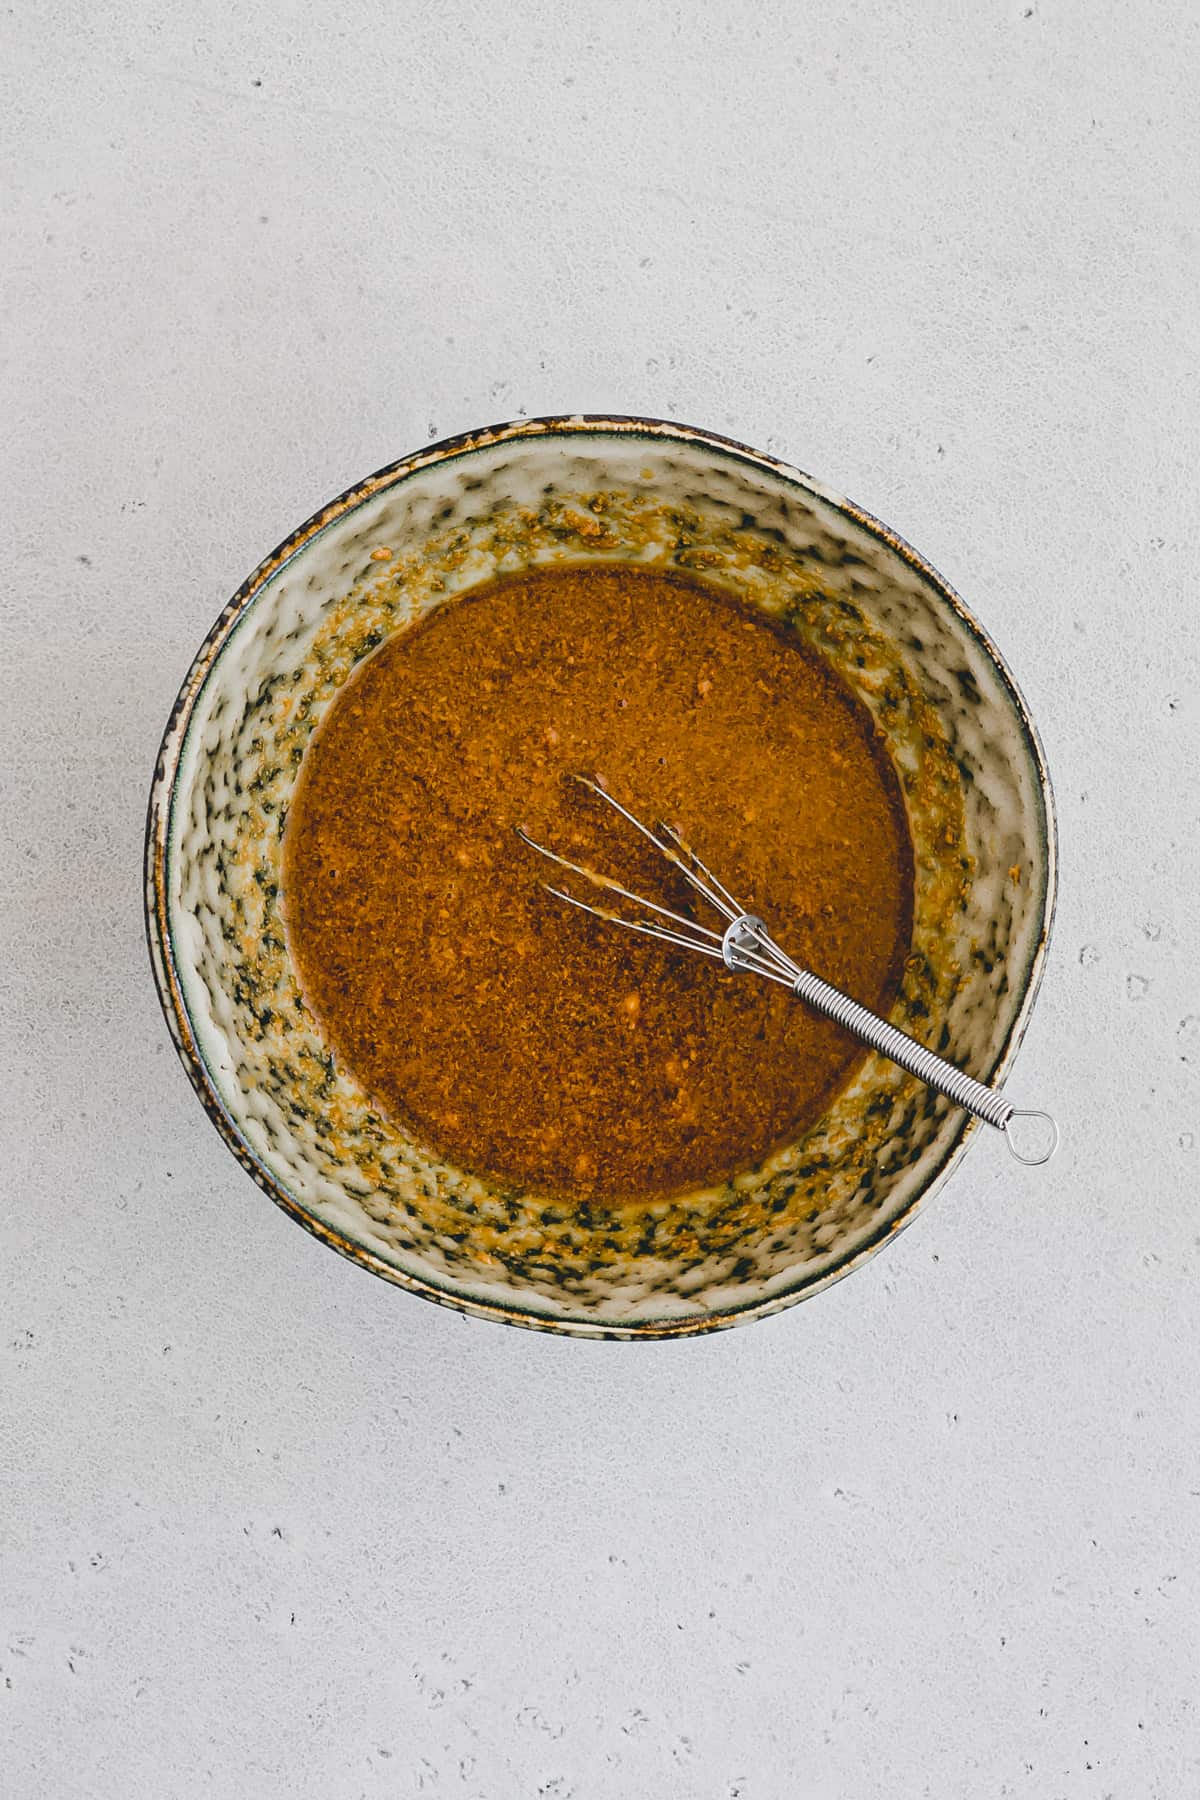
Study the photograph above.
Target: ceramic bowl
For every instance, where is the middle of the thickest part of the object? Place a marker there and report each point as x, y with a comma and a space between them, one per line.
383, 554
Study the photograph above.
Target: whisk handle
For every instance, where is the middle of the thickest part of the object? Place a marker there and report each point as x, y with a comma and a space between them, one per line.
986, 1103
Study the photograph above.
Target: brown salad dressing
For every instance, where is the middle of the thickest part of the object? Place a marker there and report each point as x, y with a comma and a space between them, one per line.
516, 1037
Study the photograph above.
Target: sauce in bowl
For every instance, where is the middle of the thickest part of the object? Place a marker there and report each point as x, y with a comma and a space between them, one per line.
515, 1036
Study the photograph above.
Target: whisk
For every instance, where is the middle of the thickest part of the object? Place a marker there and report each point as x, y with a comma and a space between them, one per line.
745, 945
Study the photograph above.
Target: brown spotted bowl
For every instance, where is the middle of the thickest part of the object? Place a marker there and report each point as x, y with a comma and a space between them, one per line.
403, 541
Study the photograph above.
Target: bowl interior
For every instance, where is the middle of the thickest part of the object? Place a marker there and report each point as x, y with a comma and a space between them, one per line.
402, 543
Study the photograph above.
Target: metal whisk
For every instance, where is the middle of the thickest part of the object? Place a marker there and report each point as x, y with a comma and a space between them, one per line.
745, 944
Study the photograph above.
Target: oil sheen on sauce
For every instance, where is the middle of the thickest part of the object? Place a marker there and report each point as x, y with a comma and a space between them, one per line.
516, 1037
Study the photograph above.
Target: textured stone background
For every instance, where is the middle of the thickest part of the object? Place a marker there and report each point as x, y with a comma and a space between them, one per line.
267, 1527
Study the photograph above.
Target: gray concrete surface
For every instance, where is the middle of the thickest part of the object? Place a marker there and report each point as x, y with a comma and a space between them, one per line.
269, 1529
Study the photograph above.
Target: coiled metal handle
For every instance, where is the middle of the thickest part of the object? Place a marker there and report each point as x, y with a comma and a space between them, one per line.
748, 944
881, 1035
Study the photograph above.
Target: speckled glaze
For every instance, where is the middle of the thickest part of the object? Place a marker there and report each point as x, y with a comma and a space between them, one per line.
428, 527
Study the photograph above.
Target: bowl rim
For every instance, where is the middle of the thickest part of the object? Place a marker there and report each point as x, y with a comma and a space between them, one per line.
158, 832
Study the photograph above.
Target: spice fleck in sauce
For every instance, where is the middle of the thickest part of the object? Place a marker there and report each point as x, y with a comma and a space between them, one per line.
515, 1036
